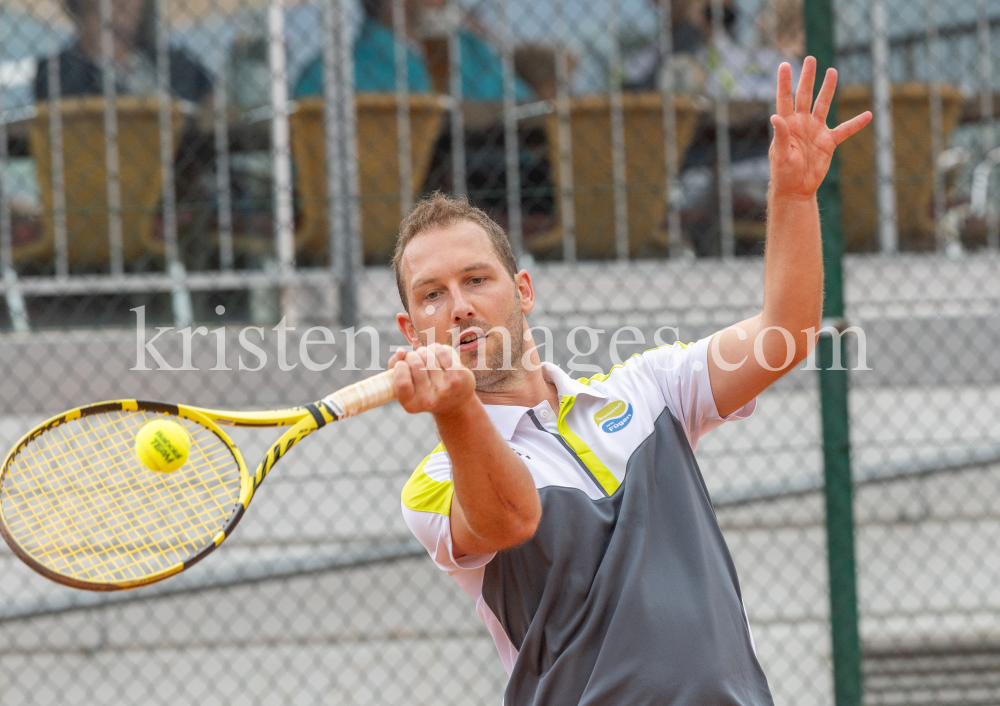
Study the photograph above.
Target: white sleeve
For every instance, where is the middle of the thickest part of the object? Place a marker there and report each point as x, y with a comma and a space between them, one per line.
681, 371
426, 504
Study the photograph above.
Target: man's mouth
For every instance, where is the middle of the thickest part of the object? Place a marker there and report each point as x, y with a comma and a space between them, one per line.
469, 340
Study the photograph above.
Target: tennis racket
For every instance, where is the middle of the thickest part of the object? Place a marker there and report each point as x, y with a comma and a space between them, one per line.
77, 505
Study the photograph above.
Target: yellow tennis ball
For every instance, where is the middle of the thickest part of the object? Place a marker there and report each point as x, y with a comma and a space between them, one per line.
162, 445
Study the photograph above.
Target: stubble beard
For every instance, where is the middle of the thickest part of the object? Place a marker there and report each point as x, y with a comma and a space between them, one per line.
493, 378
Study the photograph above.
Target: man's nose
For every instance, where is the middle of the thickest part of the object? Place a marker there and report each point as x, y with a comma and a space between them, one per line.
461, 307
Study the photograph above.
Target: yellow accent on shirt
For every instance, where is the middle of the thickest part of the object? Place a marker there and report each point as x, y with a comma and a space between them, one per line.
424, 494
601, 377
601, 472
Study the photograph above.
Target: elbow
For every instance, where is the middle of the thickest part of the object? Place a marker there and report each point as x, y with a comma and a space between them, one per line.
778, 354
522, 525
810, 336
798, 337
519, 535
802, 352
508, 529
799, 343
526, 528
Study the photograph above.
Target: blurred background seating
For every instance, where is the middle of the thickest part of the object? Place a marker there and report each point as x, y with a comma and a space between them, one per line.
914, 162
207, 47
378, 173
86, 186
593, 184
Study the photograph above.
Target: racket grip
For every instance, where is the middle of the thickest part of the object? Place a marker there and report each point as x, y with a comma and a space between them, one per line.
362, 396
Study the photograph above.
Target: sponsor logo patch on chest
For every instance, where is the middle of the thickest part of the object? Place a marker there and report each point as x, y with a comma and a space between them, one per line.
614, 416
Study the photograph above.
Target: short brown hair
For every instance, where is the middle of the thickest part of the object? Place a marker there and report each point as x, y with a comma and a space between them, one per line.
440, 211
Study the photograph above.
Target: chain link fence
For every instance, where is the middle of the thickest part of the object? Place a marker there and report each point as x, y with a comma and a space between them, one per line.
235, 164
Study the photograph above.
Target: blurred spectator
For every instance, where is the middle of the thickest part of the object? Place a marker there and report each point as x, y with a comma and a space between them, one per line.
781, 25
745, 74
482, 93
742, 71
482, 70
482, 83
536, 64
375, 55
375, 58
748, 72
133, 24
690, 35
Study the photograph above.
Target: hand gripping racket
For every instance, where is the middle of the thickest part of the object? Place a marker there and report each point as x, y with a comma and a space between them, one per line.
77, 506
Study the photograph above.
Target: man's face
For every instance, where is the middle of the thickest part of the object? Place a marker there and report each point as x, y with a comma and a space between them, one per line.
125, 16
456, 284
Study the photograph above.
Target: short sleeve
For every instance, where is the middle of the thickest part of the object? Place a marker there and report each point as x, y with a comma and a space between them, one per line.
426, 503
681, 371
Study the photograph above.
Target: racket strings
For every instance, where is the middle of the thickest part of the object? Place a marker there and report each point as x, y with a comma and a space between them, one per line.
80, 503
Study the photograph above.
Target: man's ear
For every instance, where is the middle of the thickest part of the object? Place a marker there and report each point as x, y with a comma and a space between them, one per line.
407, 329
525, 290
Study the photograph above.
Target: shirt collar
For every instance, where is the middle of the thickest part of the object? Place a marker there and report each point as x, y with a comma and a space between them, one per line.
566, 385
506, 417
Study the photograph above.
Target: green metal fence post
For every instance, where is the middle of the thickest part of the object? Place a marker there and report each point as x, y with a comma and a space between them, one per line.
833, 400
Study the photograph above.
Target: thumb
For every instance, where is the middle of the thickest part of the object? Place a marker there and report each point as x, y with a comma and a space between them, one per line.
782, 135
402, 378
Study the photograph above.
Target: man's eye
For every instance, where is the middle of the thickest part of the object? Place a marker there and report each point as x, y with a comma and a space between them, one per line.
433, 295
477, 280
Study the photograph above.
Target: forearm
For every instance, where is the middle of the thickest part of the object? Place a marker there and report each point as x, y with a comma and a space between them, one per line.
793, 272
495, 497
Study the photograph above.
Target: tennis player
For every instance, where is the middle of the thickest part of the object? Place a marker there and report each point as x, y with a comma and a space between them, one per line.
573, 511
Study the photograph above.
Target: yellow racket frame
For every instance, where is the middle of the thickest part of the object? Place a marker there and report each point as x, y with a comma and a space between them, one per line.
304, 420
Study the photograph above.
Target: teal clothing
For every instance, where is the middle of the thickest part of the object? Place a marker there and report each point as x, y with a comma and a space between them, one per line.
374, 65
375, 68
482, 72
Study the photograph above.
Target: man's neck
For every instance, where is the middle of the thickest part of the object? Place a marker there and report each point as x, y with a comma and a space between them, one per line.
532, 389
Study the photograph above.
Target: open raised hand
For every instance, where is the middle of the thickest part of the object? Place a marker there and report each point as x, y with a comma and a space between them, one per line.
803, 145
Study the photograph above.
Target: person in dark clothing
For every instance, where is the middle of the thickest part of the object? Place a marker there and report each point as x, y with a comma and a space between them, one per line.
691, 23
134, 29
80, 75
134, 65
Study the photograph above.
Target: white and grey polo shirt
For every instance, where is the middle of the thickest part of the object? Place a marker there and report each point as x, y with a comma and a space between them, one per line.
627, 593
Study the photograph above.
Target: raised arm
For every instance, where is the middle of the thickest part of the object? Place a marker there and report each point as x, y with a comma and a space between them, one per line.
495, 505
739, 366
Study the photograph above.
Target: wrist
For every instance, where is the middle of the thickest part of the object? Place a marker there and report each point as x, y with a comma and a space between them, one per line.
791, 196
459, 413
